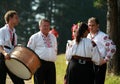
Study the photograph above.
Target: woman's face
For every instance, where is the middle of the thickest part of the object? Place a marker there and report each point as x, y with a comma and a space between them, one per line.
74, 32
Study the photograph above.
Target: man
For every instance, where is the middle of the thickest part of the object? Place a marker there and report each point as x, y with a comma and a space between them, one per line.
45, 46
105, 46
8, 39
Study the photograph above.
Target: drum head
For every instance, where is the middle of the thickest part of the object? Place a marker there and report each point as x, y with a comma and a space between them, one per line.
18, 69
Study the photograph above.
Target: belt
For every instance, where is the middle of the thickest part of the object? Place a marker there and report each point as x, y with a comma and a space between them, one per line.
7, 47
82, 58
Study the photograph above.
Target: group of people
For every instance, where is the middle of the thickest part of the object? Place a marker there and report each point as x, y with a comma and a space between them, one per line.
43, 43
87, 54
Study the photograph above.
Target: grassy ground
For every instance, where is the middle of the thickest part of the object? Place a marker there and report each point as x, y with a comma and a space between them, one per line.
112, 79
61, 67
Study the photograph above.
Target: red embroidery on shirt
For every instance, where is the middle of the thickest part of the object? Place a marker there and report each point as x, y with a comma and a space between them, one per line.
107, 44
113, 50
105, 38
11, 37
47, 41
112, 43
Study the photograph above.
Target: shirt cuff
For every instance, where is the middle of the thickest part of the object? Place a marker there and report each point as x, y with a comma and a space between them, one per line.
107, 59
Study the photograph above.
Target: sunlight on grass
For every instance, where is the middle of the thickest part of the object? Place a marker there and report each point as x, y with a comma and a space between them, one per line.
112, 79
61, 69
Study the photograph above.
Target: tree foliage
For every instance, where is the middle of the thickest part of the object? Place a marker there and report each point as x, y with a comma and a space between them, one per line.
26, 15
62, 13
100, 3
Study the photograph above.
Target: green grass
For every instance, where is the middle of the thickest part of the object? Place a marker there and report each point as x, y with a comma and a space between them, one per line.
61, 69
112, 79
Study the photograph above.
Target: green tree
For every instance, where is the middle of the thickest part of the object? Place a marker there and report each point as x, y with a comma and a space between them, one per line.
113, 30
72, 11
27, 25
62, 13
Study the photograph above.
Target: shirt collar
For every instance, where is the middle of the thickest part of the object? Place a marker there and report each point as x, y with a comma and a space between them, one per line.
92, 37
7, 26
44, 35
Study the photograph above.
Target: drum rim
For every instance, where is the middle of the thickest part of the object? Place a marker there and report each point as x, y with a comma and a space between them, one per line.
25, 66
32, 51
29, 49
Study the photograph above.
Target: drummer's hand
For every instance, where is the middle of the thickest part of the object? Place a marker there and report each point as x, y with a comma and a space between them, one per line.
7, 56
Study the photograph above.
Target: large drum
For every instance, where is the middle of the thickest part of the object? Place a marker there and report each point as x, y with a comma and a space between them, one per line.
23, 63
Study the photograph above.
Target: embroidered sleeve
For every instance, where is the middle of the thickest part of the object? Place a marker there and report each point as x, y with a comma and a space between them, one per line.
110, 47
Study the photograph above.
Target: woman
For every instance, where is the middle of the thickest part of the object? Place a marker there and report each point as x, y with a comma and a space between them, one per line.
81, 55
70, 42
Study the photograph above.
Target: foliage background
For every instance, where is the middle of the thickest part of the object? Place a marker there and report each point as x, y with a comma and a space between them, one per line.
62, 14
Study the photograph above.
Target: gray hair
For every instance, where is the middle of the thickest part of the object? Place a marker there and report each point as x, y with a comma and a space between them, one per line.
43, 20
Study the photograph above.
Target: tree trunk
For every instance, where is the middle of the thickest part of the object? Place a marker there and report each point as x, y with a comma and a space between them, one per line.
113, 31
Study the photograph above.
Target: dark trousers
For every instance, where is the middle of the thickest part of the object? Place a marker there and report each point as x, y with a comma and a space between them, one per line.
4, 71
100, 72
78, 73
46, 74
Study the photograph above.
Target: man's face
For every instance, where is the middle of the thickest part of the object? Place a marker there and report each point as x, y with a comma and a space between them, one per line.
45, 27
15, 20
93, 27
